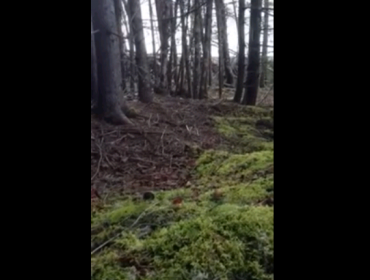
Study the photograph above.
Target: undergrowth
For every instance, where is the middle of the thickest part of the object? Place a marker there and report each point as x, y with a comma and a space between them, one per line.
223, 229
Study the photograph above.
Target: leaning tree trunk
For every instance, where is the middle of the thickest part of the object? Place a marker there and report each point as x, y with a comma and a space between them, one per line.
163, 14
251, 86
206, 50
221, 17
241, 58
196, 69
264, 45
94, 71
108, 57
144, 85
119, 16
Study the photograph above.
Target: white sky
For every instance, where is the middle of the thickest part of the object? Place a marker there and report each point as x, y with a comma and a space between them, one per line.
232, 32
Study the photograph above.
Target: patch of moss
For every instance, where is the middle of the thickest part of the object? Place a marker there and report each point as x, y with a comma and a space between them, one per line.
247, 129
225, 166
203, 238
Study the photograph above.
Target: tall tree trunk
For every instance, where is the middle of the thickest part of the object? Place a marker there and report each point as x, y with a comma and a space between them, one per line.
155, 71
220, 27
190, 28
173, 53
196, 69
94, 71
206, 54
181, 76
119, 16
210, 59
251, 86
109, 67
241, 58
131, 45
220, 7
144, 84
163, 14
264, 45
185, 48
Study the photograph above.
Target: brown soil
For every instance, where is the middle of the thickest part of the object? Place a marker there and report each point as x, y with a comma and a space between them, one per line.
157, 153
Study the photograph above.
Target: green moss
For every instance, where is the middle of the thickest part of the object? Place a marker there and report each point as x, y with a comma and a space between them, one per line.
222, 243
248, 129
204, 238
106, 267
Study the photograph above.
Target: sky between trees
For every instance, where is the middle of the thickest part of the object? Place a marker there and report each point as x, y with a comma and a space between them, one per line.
232, 32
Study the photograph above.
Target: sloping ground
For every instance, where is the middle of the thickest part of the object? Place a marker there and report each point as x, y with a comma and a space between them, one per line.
157, 153
218, 224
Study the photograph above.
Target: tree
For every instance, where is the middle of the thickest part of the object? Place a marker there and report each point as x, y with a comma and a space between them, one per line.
185, 49
153, 43
163, 14
173, 53
221, 41
196, 69
119, 16
108, 63
206, 73
251, 86
94, 70
241, 55
131, 46
224, 45
144, 84
264, 45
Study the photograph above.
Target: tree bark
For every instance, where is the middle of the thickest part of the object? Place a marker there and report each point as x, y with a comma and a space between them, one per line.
181, 77
185, 48
163, 14
131, 46
264, 45
109, 67
119, 16
206, 54
210, 59
155, 71
220, 48
196, 69
220, 7
144, 85
241, 55
94, 71
173, 53
251, 87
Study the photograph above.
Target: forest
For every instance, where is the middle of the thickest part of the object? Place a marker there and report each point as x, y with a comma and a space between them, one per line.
182, 152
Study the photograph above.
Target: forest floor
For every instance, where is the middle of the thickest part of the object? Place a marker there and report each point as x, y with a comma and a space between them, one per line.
209, 165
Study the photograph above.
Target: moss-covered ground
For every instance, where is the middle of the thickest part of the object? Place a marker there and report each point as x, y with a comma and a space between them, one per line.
223, 229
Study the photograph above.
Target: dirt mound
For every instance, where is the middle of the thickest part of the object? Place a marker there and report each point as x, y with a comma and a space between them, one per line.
158, 152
